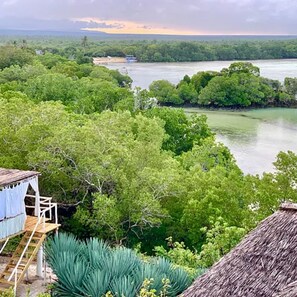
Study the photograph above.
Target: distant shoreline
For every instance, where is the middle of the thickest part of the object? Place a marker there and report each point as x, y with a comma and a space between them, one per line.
120, 60
108, 60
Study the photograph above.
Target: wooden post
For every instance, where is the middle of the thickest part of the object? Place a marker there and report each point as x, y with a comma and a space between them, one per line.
39, 262
37, 204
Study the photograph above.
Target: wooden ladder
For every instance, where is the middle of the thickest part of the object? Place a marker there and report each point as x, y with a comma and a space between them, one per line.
29, 256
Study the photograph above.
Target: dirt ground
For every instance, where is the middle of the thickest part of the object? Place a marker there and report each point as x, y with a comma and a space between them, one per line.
108, 60
33, 285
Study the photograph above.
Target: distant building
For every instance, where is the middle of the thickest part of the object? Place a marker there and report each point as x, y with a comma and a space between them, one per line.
39, 52
130, 58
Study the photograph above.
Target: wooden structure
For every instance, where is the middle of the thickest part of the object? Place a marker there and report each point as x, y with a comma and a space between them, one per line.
27, 215
263, 264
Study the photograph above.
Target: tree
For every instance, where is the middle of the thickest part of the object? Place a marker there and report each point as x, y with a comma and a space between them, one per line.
50, 60
84, 42
182, 132
95, 95
286, 175
187, 92
10, 55
142, 99
219, 191
21, 74
165, 92
122, 79
201, 79
238, 89
291, 86
69, 68
220, 239
241, 67
52, 87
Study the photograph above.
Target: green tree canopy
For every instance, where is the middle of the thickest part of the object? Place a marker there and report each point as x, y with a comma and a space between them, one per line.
165, 92
10, 55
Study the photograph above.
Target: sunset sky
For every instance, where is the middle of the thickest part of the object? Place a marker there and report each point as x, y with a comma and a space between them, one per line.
183, 17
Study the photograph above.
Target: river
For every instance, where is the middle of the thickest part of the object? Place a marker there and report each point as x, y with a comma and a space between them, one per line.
254, 136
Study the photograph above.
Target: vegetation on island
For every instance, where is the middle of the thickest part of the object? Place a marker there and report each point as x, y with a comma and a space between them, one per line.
131, 173
240, 85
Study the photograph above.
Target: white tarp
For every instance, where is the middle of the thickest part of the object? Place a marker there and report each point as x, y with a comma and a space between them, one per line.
12, 226
34, 185
13, 209
12, 200
2, 206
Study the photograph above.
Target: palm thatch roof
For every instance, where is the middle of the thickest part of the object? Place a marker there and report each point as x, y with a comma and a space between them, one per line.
12, 176
263, 264
289, 291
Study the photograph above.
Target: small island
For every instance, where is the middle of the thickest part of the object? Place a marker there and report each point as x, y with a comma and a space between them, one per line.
238, 86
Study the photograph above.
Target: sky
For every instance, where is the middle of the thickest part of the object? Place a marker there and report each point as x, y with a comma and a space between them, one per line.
178, 17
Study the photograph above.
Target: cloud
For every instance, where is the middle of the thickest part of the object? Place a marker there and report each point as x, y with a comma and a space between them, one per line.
100, 25
126, 27
188, 16
9, 2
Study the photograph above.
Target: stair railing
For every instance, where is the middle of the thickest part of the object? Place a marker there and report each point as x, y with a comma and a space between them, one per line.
4, 245
41, 219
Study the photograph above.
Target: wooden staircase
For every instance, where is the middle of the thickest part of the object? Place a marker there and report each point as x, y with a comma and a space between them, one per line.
20, 261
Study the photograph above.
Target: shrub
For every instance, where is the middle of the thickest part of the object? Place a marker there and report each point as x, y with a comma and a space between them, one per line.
7, 293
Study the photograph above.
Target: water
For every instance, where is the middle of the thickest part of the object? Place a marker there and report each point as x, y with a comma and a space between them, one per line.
143, 74
255, 137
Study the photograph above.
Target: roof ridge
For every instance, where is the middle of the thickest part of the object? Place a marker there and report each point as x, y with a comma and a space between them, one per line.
288, 206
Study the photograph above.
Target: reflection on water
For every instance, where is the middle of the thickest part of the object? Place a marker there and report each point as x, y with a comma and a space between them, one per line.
255, 137
143, 74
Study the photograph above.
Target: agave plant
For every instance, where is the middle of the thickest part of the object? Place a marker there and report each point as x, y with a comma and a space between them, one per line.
92, 269
97, 283
122, 262
96, 253
123, 286
178, 278
151, 272
71, 275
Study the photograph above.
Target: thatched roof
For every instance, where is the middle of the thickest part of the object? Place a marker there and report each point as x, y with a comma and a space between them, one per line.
12, 176
264, 263
289, 291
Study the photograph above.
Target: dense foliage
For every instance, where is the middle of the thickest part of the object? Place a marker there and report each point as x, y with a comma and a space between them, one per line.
82, 49
93, 269
127, 172
82, 87
239, 85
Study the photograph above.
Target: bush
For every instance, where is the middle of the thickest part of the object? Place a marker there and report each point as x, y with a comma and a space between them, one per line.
181, 256
8, 293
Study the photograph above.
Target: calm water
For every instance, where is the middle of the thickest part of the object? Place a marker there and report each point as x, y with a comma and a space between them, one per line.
143, 74
254, 137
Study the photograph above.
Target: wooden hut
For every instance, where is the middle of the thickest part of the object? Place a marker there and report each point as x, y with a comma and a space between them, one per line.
263, 264
27, 215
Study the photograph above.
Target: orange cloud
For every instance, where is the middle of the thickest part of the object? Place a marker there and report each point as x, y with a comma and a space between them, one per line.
128, 27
